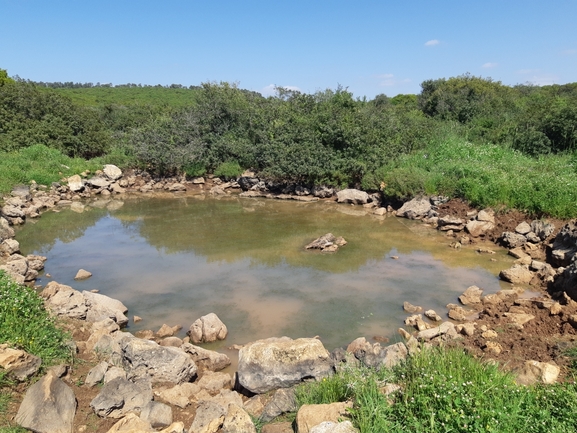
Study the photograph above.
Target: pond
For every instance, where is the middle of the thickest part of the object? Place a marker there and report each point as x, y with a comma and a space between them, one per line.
173, 259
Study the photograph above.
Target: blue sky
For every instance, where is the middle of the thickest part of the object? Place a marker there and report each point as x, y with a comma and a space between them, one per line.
370, 47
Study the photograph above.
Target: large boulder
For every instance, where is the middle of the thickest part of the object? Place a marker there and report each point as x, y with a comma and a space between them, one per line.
48, 406
75, 183
63, 300
99, 182
478, 228
353, 196
274, 363
207, 329
147, 359
513, 240
517, 274
416, 208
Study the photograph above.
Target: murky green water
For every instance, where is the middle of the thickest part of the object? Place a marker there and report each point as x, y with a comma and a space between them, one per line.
171, 260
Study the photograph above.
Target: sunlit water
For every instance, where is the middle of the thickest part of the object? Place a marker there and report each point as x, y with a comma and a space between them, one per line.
171, 260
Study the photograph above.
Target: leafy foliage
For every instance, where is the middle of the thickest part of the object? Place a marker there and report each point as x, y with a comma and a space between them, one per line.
25, 324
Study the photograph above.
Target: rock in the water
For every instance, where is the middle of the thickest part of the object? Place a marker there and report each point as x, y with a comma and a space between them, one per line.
471, 296
82, 275
101, 307
353, 196
274, 363
517, 274
410, 308
417, 208
311, 415
48, 407
146, 359
120, 396
207, 329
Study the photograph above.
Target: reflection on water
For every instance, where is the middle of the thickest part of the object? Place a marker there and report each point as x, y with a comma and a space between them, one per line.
171, 260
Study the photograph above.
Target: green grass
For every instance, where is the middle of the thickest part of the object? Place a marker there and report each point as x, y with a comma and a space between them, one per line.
446, 390
25, 324
485, 175
44, 165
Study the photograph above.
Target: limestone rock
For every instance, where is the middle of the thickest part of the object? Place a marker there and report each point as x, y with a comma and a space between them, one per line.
207, 329
209, 417
373, 355
131, 423
6, 232
416, 208
535, 371
82, 275
157, 414
237, 420
444, 328
120, 396
213, 382
353, 196
112, 172
542, 229
523, 228
334, 427
513, 240
101, 307
167, 331
96, 374
179, 395
486, 215
517, 275
274, 363
283, 401
206, 359
432, 315
479, 228
63, 300
75, 183
410, 308
449, 222
311, 415
18, 363
98, 182
48, 407
471, 296
147, 359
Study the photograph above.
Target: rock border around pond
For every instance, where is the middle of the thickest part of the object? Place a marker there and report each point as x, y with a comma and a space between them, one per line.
135, 366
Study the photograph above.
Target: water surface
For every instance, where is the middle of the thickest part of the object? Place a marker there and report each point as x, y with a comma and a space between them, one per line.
172, 260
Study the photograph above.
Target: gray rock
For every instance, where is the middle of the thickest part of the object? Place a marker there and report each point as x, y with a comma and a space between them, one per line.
98, 182
96, 374
353, 196
283, 401
48, 407
375, 356
517, 274
12, 212
479, 228
18, 363
542, 229
449, 222
6, 232
82, 274
146, 359
207, 329
63, 300
523, 228
75, 183
246, 183
209, 417
322, 191
159, 415
565, 245
114, 373
206, 359
237, 420
513, 240
120, 396
416, 208
471, 296
112, 172
334, 427
274, 363
213, 382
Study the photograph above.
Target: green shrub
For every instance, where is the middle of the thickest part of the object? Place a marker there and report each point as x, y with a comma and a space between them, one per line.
228, 170
25, 324
195, 169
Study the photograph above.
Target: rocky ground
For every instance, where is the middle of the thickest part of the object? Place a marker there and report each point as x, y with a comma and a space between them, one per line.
533, 322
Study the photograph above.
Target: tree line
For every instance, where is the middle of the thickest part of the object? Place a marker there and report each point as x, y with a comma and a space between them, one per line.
327, 137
